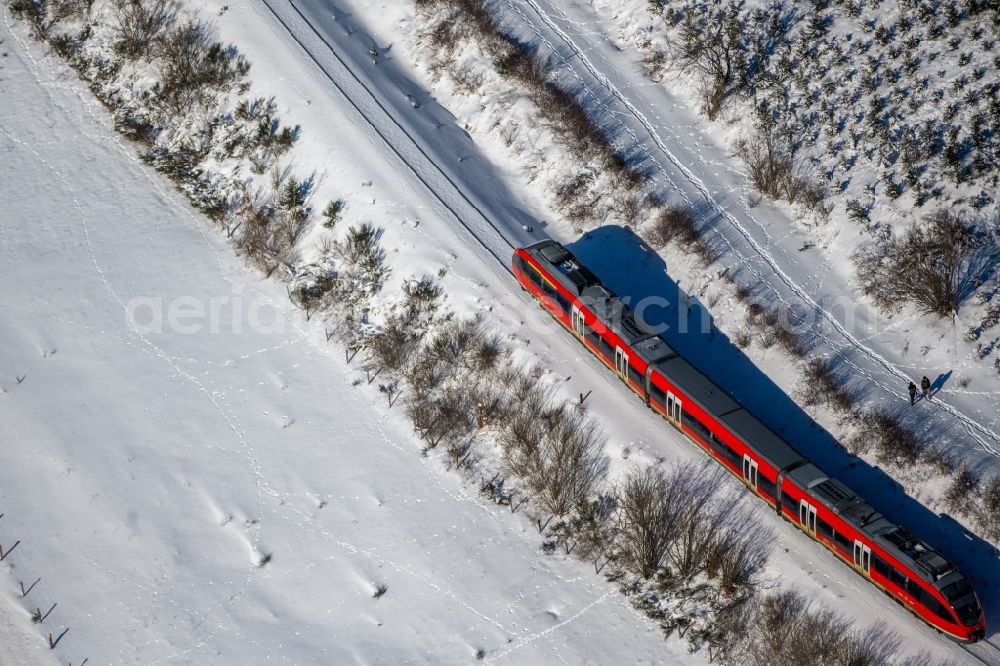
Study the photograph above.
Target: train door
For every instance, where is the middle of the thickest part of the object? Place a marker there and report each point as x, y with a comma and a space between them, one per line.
621, 362
578, 322
674, 409
807, 517
862, 556
750, 471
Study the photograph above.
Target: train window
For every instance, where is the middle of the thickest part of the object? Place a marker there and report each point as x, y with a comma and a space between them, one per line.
879, 565
913, 589
533, 275
657, 395
634, 375
727, 453
600, 343
563, 303
936, 607
898, 579
957, 589
699, 429
765, 485
824, 529
791, 504
842, 542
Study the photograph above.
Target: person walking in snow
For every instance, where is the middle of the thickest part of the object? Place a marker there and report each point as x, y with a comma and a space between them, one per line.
925, 387
913, 393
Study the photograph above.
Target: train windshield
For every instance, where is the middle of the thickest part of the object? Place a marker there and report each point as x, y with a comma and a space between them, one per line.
963, 600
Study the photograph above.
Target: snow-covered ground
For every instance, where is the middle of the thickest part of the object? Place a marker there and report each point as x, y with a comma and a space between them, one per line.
146, 469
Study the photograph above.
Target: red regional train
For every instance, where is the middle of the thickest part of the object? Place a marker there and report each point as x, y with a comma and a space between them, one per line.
898, 563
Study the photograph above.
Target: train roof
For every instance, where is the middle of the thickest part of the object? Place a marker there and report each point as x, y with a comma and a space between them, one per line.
706, 393
895, 540
758, 437
611, 310
566, 268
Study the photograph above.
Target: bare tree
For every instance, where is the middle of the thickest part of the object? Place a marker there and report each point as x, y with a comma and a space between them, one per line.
872, 646
652, 507
195, 68
703, 518
785, 631
572, 460
142, 24
738, 555
711, 43
935, 265
390, 347
769, 161
64, 9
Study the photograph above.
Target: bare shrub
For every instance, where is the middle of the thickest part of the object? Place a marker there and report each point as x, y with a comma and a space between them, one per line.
743, 338
389, 348
652, 507
254, 237
573, 190
195, 68
628, 207
702, 520
987, 509
766, 337
738, 555
573, 462
711, 44
674, 224
790, 341
558, 453
654, 62
933, 265
785, 628
142, 24
643, 512
60, 10
872, 646
819, 385
769, 163
893, 442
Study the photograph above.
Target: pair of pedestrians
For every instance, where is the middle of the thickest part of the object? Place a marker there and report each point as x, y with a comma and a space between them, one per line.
925, 390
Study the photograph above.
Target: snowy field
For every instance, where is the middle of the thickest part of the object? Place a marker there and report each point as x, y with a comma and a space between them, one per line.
148, 467
146, 471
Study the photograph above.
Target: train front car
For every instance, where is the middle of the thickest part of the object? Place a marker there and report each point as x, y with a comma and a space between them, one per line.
886, 554
963, 602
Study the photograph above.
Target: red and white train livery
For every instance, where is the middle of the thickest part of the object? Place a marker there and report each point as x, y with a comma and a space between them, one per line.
898, 563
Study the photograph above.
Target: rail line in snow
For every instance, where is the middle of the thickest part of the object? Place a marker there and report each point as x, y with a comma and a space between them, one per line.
502, 256
985, 652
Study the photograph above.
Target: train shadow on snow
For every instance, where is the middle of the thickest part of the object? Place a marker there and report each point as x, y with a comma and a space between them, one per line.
630, 269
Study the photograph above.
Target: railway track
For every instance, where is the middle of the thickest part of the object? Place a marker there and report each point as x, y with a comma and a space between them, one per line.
984, 652
403, 144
